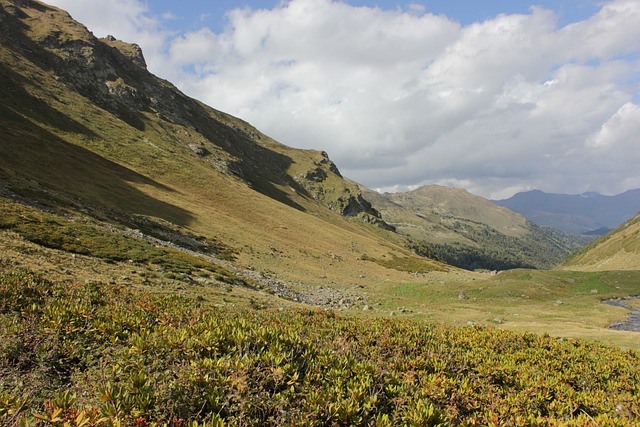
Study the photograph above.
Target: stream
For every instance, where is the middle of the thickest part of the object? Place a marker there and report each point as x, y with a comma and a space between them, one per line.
633, 320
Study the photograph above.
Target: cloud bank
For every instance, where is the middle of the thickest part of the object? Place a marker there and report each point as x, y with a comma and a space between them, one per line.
400, 98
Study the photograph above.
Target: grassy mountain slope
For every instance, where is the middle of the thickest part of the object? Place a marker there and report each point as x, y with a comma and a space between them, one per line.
618, 250
471, 232
85, 127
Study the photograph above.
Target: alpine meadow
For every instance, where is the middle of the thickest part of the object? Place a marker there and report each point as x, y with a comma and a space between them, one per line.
163, 263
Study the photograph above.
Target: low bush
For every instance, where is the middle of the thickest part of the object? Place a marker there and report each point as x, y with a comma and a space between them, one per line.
95, 354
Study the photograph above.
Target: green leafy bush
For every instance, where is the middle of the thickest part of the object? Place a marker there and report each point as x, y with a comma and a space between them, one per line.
94, 354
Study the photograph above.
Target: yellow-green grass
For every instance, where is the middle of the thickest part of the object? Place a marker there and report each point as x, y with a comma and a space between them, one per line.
618, 250
558, 303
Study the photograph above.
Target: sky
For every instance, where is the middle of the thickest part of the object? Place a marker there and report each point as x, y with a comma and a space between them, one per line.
496, 97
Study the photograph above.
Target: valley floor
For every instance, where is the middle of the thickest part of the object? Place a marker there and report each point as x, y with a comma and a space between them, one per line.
558, 303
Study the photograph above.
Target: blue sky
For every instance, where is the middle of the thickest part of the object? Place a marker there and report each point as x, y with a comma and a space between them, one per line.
492, 96
193, 14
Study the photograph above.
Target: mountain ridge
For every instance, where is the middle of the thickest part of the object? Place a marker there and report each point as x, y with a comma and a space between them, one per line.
471, 232
577, 213
113, 75
85, 127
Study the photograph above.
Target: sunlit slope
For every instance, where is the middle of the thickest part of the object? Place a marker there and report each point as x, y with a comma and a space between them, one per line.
618, 250
84, 125
470, 231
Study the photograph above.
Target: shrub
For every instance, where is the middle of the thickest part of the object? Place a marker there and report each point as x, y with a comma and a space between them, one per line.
98, 354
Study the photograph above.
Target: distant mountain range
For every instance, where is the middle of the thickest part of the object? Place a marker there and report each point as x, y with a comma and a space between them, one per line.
469, 231
588, 213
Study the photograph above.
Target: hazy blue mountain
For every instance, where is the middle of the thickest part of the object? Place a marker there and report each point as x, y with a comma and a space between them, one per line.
588, 213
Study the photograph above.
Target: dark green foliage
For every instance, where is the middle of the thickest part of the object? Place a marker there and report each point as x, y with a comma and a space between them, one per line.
105, 355
471, 258
497, 251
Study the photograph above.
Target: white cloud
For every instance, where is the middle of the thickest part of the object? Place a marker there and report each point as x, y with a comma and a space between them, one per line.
399, 98
416, 7
611, 32
620, 133
193, 48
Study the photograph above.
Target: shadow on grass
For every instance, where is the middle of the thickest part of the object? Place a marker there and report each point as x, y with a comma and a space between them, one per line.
29, 152
264, 169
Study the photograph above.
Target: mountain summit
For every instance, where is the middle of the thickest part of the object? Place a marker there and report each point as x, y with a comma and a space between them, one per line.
469, 231
587, 213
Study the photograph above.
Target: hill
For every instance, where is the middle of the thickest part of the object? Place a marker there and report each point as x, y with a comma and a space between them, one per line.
88, 134
618, 250
589, 213
469, 231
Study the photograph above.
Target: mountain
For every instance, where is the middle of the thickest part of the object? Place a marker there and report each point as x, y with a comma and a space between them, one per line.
91, 143
618, 250
469, 231
588, 213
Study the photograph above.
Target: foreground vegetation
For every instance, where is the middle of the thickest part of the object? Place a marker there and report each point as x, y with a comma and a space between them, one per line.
97, 354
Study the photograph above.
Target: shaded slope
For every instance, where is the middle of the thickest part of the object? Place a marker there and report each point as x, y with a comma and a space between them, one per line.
618, 250
471, 232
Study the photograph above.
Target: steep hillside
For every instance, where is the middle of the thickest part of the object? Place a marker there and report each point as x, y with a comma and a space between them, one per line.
471, 232
589, 213
87, 133
618, 250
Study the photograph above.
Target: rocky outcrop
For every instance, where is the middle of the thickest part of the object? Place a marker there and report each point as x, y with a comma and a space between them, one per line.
131, 51
324, 182
111, 73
